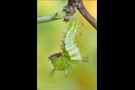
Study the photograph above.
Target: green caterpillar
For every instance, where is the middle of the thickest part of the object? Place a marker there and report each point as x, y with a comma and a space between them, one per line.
66, 60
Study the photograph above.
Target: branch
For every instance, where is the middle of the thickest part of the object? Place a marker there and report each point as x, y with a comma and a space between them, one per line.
80, 6
48, 18
87, 16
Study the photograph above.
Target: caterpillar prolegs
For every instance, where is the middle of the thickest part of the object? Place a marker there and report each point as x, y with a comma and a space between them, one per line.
70, 55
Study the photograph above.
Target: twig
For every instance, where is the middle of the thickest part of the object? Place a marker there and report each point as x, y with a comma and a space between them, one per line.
80, 6
56, 16
88, 16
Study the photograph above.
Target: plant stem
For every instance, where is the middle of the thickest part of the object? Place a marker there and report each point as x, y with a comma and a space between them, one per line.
88, 16
48, 18
81, 8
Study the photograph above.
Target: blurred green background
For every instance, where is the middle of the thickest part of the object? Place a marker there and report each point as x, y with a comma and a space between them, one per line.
84, 76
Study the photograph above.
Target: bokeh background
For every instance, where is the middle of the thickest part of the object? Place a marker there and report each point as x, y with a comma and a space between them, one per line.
84, 76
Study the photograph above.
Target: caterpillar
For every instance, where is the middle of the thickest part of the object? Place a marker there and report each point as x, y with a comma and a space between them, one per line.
70, 55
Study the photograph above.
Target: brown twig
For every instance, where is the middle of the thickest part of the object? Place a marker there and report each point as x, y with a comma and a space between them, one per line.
80, 6
88, 16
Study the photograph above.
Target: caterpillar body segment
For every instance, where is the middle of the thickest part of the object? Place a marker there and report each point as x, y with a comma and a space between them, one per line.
64, 63
70, 45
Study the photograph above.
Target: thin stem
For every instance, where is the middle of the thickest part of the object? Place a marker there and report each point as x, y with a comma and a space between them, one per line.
87, 16
81, 8
48, 18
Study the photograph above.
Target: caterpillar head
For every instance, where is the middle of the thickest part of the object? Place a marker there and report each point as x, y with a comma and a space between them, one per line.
55, 55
